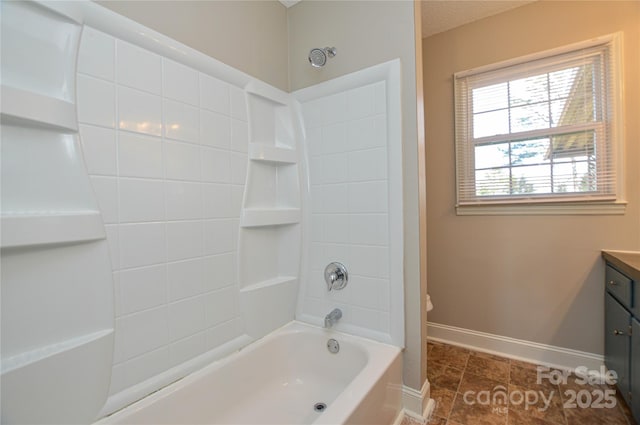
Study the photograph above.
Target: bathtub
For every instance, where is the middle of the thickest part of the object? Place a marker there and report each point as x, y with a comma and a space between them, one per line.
279, 380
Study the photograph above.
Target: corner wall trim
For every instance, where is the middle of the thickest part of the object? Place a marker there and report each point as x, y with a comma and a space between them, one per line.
558, 357
417, 404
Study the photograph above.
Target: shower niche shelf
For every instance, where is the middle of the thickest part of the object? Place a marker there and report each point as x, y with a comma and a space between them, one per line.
255, 217
275, 281
21, 107
271, 186
26, 230
269, 253
270, 229
271, 154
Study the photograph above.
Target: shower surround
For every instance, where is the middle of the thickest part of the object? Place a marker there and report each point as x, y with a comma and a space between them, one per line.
223, 199
353, 203
166, 150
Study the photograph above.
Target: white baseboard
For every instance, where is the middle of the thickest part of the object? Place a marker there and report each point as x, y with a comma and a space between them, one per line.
549, 355
399, 418
417, 404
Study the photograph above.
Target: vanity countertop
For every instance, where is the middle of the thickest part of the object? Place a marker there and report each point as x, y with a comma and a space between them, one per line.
627, 262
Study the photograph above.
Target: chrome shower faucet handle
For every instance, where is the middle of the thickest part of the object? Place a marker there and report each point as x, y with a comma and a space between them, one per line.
336, 276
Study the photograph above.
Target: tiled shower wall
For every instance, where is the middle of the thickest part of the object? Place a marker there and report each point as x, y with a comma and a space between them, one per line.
166, 150
347, 147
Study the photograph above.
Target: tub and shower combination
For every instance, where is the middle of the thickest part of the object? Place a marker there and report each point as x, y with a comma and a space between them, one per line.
118, 140
288, 377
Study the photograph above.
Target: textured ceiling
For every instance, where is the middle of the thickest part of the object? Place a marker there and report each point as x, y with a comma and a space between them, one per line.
443, 15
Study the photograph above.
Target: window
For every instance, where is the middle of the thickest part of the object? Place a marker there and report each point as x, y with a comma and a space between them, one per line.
539, 130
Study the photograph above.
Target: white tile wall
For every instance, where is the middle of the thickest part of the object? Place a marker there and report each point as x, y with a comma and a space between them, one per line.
166, 149
139, 155
214, 95
181, 121
113, 240
117, 291
99, 147
187, 348
184, 240
146, 366
360, 103
106, 191
96, 101
238, 168
98, 54
186, 278
225, 305
219, 236
180, 83
220, 334
143, 288
347, 145
215, 130
237, 104
182, 161
144, 331
368, 197
239, 136
138, 111
217, 201
219, 271
141, 200
142, 244
186, 317
216, 165
138, 68
184, 200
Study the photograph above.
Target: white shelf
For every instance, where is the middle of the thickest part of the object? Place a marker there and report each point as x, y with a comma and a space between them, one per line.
21, 106
254, 217
41, 353
25, 230
272, 154
278, 280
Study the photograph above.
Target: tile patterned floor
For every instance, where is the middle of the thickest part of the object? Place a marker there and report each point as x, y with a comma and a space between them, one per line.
498, 389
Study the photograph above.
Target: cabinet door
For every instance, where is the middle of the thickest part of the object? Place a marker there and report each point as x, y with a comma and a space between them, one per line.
617, 342
635, 367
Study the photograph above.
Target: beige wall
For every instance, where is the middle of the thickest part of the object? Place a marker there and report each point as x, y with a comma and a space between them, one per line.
366, 33
248, 35
537, 278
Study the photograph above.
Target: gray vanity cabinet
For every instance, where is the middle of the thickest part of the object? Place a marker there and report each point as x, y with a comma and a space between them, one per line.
635, 367
617, 343
622, 323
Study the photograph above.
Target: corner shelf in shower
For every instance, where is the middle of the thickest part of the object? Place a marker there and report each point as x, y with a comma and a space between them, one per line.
27, 108
278, 280
270, 230
272, 154
255, 217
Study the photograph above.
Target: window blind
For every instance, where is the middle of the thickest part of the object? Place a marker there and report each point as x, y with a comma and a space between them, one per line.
539, 129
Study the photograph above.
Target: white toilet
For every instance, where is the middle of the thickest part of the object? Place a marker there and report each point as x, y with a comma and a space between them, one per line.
56, 281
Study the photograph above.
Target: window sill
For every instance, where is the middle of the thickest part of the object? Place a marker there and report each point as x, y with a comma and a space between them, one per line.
575, 208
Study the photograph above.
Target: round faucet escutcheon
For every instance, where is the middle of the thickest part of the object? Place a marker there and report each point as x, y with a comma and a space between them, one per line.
336, 276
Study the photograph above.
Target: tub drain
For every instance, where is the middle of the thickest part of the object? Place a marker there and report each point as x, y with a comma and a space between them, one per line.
319, 407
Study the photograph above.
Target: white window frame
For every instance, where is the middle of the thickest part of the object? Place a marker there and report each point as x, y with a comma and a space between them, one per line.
574, 203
